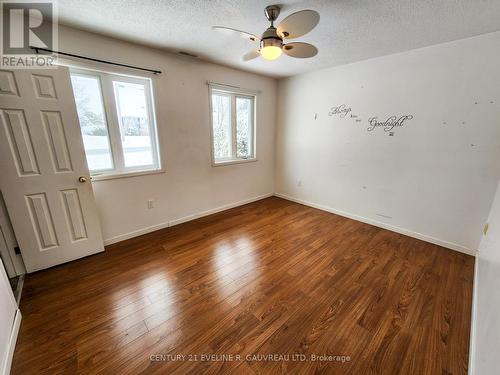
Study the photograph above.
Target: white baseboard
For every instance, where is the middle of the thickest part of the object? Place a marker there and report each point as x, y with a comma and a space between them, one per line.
472, 339
183, 219
5, 370
135, 233
407, 232
217, 209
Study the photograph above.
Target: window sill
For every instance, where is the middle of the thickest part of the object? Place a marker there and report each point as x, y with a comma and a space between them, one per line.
103, 177
233, 161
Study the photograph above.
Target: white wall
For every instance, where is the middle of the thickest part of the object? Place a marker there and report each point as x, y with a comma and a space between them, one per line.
486, 325
190, 185
10, 318
436, 177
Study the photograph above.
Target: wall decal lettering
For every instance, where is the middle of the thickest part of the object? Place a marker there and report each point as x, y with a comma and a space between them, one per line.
342, 110
389, 124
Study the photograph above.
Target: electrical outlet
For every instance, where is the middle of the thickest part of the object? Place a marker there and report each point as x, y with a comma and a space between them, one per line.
150, 204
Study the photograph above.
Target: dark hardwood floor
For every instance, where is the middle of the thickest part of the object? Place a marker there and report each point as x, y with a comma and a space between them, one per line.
271, 277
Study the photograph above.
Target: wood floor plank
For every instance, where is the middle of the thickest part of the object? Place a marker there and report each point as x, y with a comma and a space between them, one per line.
269, 278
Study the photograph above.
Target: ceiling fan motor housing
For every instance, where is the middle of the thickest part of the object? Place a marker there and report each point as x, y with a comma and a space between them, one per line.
271, 38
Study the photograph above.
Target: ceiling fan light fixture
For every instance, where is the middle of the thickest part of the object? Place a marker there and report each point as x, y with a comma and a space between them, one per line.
271, 52
275, 40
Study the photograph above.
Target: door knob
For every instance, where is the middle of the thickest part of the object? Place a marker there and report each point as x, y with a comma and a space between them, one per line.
82, 179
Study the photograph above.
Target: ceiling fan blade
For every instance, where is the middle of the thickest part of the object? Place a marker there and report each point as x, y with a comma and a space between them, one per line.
298, 24
299, 49
242, 34
251, 55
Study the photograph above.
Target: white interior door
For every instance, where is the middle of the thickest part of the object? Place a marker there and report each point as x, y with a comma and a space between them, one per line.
44, 176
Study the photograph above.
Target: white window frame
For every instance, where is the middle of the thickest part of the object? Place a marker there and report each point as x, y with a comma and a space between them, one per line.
233, 94
112, 121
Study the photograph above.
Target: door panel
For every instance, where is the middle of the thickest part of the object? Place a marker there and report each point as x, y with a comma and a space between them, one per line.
41, 159
20, 142
74, 215
8, 83
41, 220
44, 86
56, 138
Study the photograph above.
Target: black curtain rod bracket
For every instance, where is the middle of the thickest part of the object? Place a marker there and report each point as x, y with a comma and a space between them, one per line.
37, 49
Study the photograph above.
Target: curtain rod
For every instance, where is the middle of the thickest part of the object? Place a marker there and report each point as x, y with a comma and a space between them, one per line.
224, 85
96, 60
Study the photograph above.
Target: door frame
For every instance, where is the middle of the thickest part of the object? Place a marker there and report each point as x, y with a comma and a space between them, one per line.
5, 366
13, 262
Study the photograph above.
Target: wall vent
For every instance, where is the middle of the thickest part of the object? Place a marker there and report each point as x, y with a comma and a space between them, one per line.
184, 53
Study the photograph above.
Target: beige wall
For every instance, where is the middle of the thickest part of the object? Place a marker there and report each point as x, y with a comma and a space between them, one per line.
436, 177
190, 185
486, 319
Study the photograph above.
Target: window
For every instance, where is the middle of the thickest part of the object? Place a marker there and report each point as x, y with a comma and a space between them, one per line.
233, 126
117, 122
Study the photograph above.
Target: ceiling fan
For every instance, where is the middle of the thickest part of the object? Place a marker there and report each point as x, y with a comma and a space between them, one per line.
272, 42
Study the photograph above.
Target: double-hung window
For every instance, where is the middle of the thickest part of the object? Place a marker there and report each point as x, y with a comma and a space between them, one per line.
233, 126
117, 122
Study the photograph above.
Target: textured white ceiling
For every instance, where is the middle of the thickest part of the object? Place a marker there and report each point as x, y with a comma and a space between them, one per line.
349, 30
